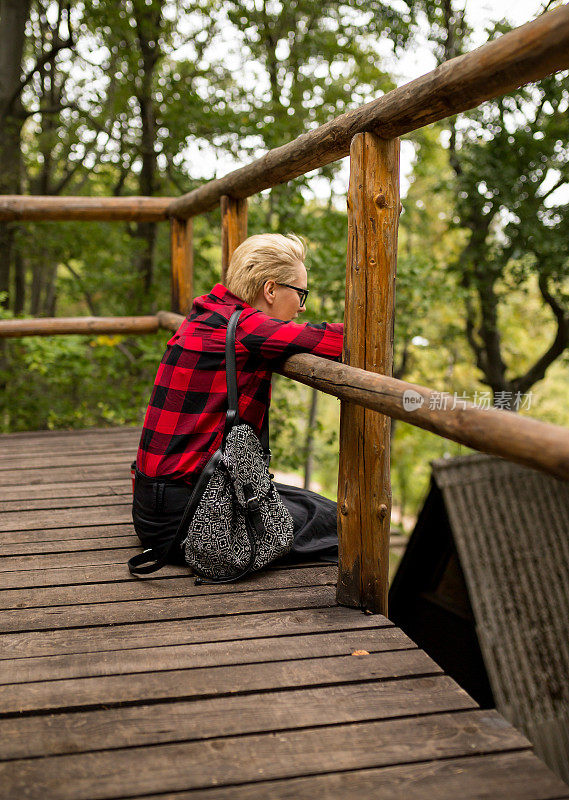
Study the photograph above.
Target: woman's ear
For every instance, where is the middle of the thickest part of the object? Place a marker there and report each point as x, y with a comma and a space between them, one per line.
269, 292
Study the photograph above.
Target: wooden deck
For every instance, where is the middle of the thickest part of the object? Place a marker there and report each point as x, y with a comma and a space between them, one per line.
114, 687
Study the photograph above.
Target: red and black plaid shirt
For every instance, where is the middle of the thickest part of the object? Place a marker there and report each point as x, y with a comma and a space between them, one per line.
185, 417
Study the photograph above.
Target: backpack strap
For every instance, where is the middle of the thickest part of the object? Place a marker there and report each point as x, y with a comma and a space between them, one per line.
232, 414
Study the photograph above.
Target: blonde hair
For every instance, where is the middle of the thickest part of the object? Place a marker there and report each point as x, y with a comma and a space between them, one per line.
260, 258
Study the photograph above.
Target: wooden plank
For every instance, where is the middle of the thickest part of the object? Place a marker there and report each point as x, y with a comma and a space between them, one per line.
215, 762
500, 776
88, 558
97, 472
118, 455
22, 565
182, 264
214, 629
28, 450
50, 460
46, 503
211, 681
92, 573
61, 535
364, 486
79, 533
153, 609
81, 538
46, 436
129, 589
249, 651
107, 729
79, 575
60, 491
17, 549
39, 207
64, 517
78, 438
233, 229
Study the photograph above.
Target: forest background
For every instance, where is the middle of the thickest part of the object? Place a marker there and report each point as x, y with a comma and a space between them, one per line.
153, 97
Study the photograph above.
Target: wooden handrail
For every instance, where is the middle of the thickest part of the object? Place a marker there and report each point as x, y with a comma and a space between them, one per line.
54, 326
526, 54
169, 320
105, 209
528, 441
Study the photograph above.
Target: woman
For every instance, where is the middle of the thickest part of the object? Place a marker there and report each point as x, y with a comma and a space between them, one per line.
184, 421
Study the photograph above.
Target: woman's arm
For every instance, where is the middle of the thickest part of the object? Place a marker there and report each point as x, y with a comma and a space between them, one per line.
271, 338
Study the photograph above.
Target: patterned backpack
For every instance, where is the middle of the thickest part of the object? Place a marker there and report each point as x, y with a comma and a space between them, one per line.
235, 521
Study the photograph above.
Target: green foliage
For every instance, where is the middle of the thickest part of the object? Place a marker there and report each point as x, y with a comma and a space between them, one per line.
78, 382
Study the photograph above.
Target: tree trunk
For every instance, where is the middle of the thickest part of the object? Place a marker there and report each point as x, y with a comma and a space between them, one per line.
37, 283
309, 440
49, 298
13, 17
148, 25
19, 281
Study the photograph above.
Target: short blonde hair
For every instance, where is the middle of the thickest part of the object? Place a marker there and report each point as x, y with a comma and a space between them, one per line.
260, 258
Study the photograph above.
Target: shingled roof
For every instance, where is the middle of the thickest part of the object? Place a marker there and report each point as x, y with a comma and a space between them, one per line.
510, 531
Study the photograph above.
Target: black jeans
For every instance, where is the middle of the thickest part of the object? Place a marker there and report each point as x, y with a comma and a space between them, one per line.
157, 508
159, 503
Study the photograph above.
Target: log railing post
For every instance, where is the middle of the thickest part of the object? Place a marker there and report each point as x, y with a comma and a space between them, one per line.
182, 264
364, 488
233, 228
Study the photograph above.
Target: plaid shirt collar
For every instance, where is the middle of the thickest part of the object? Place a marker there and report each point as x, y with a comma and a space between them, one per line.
220, 294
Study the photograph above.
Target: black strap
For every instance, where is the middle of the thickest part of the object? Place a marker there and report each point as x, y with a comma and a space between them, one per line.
232, 414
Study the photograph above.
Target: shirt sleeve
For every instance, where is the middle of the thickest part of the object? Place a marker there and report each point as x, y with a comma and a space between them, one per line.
270, 338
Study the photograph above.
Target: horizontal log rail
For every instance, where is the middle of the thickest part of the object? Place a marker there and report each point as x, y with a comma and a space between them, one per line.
524, 440
526, 54
54, 326
21, 208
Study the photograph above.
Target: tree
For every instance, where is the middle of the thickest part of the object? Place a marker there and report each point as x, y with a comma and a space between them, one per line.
14, 80
509, 159
153, 90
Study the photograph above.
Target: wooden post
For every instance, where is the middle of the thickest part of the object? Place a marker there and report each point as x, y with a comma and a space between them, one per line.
364, 487
233, 228
182, 264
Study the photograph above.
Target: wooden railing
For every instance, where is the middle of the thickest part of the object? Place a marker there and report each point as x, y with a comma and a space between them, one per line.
363, 383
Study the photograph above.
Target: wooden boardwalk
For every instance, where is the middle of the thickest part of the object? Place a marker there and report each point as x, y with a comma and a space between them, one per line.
113, 687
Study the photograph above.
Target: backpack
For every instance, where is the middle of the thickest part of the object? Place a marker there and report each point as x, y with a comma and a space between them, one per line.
235, 521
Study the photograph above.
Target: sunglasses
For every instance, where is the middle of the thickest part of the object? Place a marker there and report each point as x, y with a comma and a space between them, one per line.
302, 293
